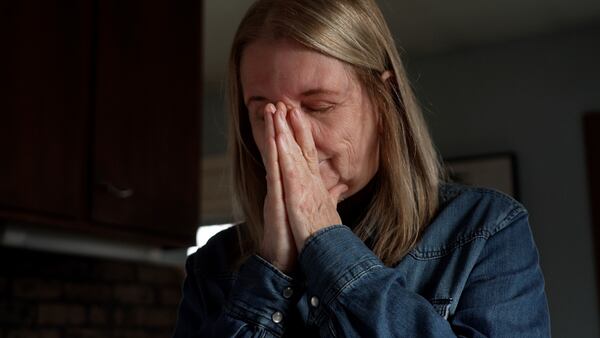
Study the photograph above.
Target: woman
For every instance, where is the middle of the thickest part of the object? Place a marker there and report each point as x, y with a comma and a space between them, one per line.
348, 229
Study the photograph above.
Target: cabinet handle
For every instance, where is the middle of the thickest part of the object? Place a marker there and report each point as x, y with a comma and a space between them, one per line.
117, 192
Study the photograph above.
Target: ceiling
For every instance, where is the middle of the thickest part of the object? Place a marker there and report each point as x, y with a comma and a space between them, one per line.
423, 27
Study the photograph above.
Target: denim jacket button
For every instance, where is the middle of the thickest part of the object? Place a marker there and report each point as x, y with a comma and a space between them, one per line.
277, 317
288, 292
314, 301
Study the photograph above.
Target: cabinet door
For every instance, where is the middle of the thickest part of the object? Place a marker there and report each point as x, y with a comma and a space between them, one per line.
45, 74
146, 150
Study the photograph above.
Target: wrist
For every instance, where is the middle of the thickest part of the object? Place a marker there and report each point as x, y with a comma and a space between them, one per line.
284, 265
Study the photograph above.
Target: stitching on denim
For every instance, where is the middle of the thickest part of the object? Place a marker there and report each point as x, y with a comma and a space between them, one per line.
240, 307
481, 233
331, 294
238, 312
511, 216
245, 305
315, 236
334, 296
453, 190
449, 191
273, 268
331, 328
360, 275
488, 191
441, 304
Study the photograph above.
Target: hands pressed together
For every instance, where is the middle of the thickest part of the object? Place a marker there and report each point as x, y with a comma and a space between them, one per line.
297, 203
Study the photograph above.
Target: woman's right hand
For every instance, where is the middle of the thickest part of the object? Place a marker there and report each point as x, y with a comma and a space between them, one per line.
278, 245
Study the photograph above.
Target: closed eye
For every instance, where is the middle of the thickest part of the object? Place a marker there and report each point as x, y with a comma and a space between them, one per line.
317, 109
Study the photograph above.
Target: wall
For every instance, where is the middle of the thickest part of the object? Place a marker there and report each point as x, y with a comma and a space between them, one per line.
528, 96
53, 295
214, 120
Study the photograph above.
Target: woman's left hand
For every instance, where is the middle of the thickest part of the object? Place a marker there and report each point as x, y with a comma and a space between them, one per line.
309, 205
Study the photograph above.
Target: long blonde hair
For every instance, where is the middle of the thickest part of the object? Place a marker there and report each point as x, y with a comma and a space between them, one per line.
354, 32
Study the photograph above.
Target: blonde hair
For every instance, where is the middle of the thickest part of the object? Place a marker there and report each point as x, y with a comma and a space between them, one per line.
354, 32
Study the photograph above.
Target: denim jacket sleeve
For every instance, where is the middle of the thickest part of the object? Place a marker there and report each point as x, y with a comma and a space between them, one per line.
255, 307
360, 297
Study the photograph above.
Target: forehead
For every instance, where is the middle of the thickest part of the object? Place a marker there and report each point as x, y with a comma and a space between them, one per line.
282, 68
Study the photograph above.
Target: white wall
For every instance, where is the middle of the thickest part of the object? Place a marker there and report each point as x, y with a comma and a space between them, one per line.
529, 97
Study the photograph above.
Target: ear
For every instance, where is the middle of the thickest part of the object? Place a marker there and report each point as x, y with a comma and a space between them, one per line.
385, 75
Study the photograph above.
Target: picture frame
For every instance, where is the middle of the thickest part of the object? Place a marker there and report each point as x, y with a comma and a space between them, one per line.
497, 171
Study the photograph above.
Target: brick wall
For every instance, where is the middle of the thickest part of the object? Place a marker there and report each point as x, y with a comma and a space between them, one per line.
50, 295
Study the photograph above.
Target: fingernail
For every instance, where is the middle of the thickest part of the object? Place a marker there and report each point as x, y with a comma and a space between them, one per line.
271, 108
281, 106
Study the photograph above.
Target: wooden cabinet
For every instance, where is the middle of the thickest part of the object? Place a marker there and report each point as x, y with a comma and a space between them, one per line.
44, 104
100, 117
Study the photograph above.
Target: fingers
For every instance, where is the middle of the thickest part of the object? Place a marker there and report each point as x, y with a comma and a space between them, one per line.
304, 138
291, 159
274, 208
297, 154
278, 245
276, 227
308, 204
271, 157
298, 143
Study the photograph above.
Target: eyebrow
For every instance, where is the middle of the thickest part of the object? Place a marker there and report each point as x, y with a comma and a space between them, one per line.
310, 92
319, 91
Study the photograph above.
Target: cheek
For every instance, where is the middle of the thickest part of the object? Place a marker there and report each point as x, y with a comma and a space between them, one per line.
326, 136
336, 145
351, 146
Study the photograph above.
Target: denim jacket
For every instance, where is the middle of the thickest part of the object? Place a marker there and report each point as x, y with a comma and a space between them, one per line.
474, 273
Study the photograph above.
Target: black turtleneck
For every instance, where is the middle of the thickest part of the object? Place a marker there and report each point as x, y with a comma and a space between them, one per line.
353, 208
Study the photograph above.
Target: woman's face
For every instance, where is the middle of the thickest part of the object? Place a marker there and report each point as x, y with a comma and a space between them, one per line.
337, 108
